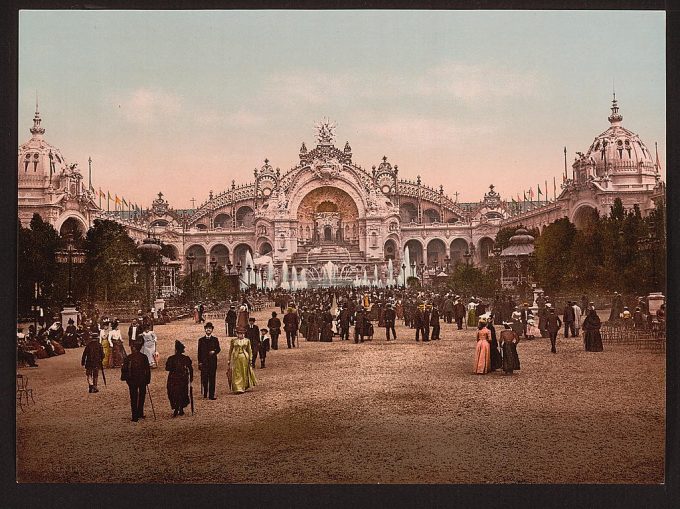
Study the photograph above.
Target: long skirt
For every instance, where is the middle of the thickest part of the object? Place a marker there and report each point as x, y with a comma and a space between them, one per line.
472, 318
242, 374
496, 360
327, 333
118, 354
482, 357
148, 349
510, 357
242, 321
178, 390
593, 341
107, 354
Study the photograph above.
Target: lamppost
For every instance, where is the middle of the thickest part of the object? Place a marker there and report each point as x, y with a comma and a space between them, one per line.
262, 277
190, 259
467, 257
229, 265
447, 261
403, 275
248, 269
213, 265
148, 249
70, 255
422, 272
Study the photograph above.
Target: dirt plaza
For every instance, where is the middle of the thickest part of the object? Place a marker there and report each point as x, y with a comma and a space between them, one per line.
377, 412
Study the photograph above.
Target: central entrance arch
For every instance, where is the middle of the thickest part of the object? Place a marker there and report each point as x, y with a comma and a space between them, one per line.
329, 214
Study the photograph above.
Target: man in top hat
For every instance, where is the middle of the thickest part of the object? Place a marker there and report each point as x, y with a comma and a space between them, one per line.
568, 318
208, 348
253, 334
434, 322
136, 372
390, 317
418, 321
344, 320
291, 323
230, 321
552, 325
525, 314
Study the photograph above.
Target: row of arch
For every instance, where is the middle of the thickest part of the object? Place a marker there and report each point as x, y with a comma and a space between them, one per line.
245, 216
222, 255
436, 251
408, 212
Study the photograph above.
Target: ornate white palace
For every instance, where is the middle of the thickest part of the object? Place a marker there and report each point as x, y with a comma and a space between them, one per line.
328, 208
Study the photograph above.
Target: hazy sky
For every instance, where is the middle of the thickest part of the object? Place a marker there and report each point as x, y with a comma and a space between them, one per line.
184, 102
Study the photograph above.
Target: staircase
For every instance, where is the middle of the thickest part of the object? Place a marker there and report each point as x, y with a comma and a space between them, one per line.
343, 254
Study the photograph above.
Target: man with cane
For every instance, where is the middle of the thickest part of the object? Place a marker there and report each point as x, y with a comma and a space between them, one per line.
137, 373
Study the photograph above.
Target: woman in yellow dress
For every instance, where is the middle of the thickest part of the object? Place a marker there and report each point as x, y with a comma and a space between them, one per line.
107, 344
483, 349
240, 370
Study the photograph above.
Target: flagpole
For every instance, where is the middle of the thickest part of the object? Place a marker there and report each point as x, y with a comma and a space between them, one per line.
565, 163
89, 161
108, 201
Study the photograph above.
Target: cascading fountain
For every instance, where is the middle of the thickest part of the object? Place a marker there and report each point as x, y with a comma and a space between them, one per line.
284, 277
390, 273
364, 280
331, 271
293, 278
376, 278
303, 278
405, 274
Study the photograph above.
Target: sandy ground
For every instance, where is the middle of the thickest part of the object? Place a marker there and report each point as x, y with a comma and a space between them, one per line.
377, 412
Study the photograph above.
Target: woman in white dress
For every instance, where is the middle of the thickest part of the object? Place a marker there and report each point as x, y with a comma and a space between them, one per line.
118, 353
149, 346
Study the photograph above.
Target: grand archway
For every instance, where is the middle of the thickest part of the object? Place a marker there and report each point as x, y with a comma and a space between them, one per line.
584, 215
328, 216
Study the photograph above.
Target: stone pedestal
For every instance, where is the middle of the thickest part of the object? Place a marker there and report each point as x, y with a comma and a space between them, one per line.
654, 301
159, 304
69, 312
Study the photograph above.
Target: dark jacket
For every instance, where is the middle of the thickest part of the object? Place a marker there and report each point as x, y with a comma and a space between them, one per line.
419, 318
136, 369
231, 317
92, 355
291, 322
253, 334
344, 318
138, 334
568, 314
390, 317
553, 322
459, 310
434, 317
274, 324
205, 359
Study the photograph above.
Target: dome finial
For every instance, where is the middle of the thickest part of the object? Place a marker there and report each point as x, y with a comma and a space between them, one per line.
36, 130
615, 118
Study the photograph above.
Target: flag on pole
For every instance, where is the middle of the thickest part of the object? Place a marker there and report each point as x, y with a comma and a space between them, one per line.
525, 196
125, 202
547, 195
554, 188
108, 201
101, 193
531, 194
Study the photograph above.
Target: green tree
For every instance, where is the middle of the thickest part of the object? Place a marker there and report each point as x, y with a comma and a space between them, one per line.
37, 264
553, 254
110, 256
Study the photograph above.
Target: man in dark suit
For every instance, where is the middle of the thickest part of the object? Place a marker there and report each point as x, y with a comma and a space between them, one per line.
136, 372
359, 324
525, 314
552, 325
417, 322
434, 322
208, 348
274, 325
459, 313
230, 321
135, 331
390, 317
253, 334
427, 312
291, 323
343, 322
92, 360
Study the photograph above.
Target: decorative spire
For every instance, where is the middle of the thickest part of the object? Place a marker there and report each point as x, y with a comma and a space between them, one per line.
36, 130
615, 118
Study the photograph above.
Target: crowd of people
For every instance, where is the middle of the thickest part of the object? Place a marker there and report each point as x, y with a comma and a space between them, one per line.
317, 315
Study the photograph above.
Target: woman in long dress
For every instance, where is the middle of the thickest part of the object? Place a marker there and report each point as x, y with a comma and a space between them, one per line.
496, 360
118, 353
149, 346
483, 349
509, 340
592, 338
242, 317
107, 344
181, 373
472, 313
240, 367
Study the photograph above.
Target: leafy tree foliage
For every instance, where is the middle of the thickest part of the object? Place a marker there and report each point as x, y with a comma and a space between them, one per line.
110, 255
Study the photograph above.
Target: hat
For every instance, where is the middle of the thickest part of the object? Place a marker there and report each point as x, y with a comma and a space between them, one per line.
208, 325
179, 346
251, 319
263, 330
232, 307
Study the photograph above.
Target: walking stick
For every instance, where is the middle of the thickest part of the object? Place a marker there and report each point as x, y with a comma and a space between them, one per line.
191, 392
103, 374
148, 390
